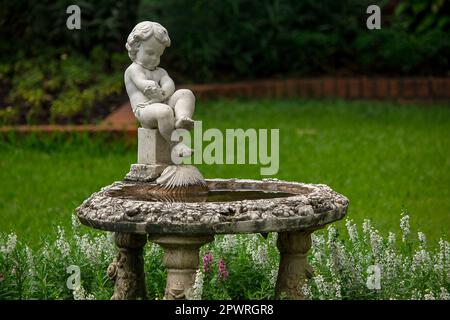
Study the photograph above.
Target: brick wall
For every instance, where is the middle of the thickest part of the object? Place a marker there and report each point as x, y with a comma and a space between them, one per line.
429, 89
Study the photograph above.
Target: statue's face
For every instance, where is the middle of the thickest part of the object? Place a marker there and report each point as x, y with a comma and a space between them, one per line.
149, 52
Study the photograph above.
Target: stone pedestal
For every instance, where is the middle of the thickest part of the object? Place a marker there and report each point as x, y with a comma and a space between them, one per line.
152, 148
153, 156
181, 258
294, 268
127, 269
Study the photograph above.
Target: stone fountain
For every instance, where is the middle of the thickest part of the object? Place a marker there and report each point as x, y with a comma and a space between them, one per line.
174, 206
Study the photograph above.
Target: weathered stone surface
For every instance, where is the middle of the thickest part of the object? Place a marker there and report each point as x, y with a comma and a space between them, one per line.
312, 206
152, 148
145, 172
127, 269
294, 268
181, 259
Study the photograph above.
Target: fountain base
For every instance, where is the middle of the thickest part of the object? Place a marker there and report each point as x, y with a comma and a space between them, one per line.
182, 224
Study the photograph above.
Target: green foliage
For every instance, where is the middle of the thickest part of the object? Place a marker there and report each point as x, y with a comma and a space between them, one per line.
255, 38
234, 39
31, 27
52, 74
422, 16
66, 88
411, 268
385, 51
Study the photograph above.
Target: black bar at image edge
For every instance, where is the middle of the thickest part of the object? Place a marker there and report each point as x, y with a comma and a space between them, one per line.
264, 309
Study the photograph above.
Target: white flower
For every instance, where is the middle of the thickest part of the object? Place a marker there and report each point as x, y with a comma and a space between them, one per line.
257, 250
273, 276
227, 243
80, 294
95, 249
352, 231
404, 225
391, 238
321, 285
11, 243
61, 243
155, 250
415, 295
444, 295
367, 226
75, 223
422, 238
376, 243
337, 290
197, 289
421, 260
306, 291
30, 260
429, 295
318, 241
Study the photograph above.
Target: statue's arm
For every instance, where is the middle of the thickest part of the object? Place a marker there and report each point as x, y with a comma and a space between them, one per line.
147, 87
167, 84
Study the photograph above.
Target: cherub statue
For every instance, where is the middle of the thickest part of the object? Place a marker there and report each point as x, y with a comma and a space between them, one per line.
156, 104
152, 94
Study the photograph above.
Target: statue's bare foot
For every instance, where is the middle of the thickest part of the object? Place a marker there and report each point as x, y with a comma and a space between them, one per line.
184, 123
181, 150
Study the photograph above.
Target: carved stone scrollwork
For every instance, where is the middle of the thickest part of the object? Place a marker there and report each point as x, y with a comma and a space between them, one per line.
294, 268
127, 268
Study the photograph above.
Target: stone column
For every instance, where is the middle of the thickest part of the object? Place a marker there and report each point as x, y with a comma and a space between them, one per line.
153, 156
127, 269
181, 259
294, 267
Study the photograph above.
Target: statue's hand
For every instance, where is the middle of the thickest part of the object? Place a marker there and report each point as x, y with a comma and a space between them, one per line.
154, 92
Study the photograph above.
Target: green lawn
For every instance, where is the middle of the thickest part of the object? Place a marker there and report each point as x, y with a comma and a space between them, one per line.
383, 157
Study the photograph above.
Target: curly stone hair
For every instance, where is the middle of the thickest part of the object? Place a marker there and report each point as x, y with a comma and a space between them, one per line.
142, 31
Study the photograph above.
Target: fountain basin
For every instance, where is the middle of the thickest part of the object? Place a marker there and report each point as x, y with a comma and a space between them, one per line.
231, 206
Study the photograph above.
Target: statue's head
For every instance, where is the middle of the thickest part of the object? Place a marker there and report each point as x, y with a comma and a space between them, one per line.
146, 43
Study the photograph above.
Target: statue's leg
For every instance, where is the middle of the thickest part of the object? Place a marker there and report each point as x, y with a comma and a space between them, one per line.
183, 103
160, 113
294, 268
127, 269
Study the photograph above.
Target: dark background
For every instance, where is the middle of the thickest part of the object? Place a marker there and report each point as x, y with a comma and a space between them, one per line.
49, 74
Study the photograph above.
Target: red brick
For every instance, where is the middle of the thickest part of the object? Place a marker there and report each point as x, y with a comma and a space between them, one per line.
354, 90
316, 88
408, 88
269, 89
382, 88
303, 88
341, 87
329, 87
368, 91
290, 88
280, 91
422, 88
446, 86
394, 86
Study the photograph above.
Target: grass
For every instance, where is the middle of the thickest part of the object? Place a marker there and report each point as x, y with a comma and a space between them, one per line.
384, 157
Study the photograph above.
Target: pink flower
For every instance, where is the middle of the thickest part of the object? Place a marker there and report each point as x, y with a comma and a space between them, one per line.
14, 271
223, 272
207, 262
